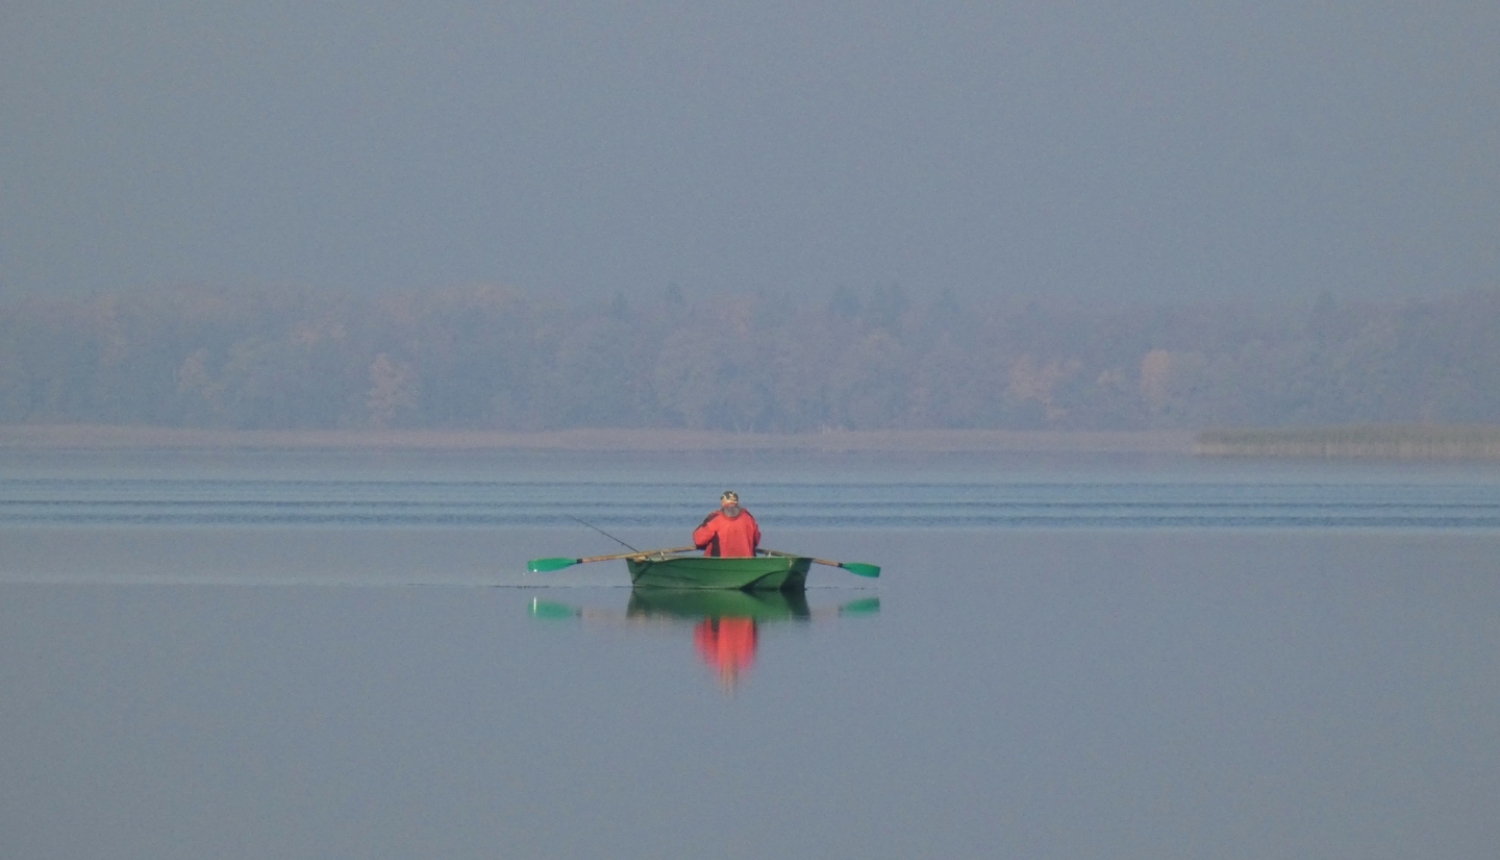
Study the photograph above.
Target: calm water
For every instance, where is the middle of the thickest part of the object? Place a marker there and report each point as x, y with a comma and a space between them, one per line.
341, 656
509, 492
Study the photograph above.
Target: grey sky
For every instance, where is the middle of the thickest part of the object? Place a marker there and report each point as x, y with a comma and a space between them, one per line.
1093, 149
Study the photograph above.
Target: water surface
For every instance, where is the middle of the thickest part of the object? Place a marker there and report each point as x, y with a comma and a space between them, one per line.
300, 656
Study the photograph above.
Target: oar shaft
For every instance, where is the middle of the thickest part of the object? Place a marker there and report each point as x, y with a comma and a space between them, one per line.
638, 554
857, 567
780, 554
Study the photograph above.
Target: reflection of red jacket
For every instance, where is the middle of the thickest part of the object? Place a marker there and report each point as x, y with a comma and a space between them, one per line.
727, 644
728, 537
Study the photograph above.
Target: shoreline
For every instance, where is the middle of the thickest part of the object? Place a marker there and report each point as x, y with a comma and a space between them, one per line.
39, 437
1354, 442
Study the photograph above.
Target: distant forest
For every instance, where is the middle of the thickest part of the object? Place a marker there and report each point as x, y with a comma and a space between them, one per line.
498, 358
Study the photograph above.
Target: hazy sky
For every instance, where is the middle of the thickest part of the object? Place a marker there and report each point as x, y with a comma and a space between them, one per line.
1121, 149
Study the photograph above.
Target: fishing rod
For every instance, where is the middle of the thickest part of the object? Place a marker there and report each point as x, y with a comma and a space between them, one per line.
602, 531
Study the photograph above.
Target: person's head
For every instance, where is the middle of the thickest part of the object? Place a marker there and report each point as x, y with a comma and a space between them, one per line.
729, 503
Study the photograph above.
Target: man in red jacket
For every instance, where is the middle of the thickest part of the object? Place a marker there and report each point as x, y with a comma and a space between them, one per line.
729, 532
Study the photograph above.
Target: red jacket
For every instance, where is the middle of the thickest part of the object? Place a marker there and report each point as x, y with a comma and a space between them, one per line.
731, 538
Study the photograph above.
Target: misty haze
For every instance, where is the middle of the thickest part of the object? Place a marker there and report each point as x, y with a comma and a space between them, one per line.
1126, 151
1123, 377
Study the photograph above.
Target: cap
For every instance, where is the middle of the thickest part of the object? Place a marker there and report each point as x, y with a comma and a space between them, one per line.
730, 496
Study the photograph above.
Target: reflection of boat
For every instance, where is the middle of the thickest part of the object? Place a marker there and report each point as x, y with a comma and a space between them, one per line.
728, 623
728, 628
767, 573
652, 604
702, 603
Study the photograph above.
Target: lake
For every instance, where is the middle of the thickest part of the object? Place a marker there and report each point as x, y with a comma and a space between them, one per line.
329, 655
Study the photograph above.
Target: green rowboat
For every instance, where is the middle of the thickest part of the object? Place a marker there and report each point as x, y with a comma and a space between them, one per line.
769, 573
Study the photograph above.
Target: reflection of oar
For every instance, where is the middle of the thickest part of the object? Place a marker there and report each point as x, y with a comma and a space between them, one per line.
868, 606
549, 610
546, 565
855, 567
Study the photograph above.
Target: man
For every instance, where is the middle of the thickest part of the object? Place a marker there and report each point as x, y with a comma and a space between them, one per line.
729, 532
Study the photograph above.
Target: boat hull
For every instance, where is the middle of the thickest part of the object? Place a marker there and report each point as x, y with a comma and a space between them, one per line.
770, 573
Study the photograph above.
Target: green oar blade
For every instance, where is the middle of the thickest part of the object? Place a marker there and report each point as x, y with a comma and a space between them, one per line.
545, 565
861, 569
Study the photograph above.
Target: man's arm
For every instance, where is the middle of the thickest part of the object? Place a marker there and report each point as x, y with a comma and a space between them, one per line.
703, 535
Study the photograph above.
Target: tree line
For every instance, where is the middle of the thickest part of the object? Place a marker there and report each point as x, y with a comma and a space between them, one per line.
489, 357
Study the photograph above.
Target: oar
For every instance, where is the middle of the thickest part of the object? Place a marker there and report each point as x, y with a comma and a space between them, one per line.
857, 568
547, 565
